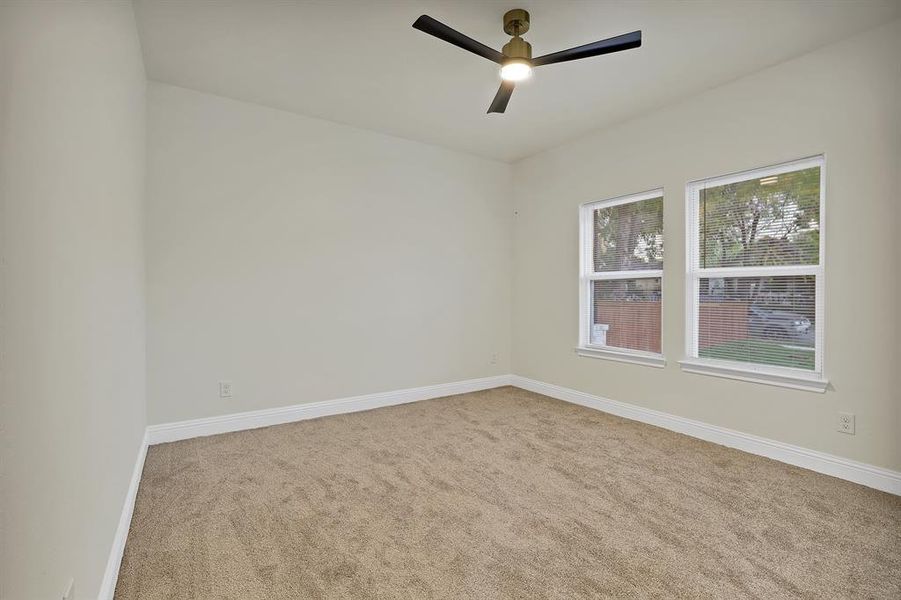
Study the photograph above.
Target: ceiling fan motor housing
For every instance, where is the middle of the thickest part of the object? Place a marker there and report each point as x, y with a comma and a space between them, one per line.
518, 48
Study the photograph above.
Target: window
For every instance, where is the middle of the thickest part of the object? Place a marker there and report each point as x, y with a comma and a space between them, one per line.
755, 275
620, 284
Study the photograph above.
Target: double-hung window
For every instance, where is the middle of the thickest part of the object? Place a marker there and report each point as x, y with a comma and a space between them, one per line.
621, 242
755, 275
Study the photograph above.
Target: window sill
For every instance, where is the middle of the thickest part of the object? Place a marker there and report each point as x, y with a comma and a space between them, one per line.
639, 358
788, 378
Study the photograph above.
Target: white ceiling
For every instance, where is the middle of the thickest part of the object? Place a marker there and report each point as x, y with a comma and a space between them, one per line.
360, 62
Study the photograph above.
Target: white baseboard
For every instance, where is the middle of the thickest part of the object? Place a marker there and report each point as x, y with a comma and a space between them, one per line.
111, 575
828, 464
182, 430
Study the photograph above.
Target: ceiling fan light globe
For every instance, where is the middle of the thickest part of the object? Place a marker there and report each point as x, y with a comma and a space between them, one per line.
516, 71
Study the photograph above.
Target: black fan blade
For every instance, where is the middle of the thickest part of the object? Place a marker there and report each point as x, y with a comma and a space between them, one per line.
499, 104
441, 31
626, 41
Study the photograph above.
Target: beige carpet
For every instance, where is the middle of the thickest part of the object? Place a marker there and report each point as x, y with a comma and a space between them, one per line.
497, 494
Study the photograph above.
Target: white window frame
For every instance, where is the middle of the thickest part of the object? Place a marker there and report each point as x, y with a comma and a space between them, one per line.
587, 276
803, 379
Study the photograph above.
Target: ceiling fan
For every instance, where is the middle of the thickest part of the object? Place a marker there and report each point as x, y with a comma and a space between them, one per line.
516, 56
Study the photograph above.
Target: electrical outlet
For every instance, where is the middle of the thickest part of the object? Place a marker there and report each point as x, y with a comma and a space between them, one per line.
494, 358
846, 423
69, 594
225, 389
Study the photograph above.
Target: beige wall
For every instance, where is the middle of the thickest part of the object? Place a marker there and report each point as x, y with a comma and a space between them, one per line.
842, 100
304, 260
72, 410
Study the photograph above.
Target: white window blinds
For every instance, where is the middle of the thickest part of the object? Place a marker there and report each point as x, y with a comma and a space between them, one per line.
755, 268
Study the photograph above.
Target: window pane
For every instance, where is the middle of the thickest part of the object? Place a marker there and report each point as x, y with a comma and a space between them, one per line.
763, 320
629, 236
762, 221
626, 314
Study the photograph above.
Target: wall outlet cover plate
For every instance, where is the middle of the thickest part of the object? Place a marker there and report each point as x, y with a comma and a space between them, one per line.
846, 423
